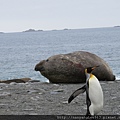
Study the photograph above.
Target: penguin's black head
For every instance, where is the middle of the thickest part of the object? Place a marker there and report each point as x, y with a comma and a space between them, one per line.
90, 69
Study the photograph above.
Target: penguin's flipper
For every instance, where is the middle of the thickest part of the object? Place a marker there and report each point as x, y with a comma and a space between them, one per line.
76, 93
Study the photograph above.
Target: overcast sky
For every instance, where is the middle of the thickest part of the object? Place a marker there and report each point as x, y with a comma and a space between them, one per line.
20, 15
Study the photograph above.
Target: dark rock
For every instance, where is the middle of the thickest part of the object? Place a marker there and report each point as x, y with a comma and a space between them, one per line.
69, 68
34, 81
22, 80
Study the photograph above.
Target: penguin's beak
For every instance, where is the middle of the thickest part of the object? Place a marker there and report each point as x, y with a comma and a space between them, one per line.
94, 67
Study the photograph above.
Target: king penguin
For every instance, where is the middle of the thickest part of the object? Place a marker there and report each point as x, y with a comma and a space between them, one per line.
94, 93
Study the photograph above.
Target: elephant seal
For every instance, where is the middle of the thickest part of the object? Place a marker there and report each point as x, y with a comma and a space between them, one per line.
69, 68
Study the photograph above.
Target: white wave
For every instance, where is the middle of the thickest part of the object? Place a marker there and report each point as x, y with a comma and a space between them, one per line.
117, 77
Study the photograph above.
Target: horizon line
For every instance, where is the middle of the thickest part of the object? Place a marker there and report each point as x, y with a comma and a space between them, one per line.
40, 30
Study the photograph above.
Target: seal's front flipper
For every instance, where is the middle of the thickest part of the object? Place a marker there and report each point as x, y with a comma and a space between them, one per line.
76, 93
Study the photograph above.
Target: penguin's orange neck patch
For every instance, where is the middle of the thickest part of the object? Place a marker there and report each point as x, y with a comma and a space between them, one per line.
91, 75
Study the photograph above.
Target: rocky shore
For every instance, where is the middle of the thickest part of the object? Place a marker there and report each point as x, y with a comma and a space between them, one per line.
51, 99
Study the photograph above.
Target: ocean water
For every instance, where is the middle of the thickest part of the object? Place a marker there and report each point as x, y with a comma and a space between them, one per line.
20, 52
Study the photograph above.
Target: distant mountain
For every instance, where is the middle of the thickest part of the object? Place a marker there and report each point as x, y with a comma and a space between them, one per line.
32, 30
39, 30
66, 29
117, 26
1, 32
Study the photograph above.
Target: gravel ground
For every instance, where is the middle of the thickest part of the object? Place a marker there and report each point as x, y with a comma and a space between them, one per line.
51, 99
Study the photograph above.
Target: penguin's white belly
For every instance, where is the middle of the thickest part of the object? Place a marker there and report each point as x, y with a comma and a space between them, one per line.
95, 95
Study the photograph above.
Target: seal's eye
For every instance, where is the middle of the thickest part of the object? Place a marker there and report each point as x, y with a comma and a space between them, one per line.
47, 60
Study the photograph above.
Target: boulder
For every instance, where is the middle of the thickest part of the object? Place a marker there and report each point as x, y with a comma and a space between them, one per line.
70, 68
21, 80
